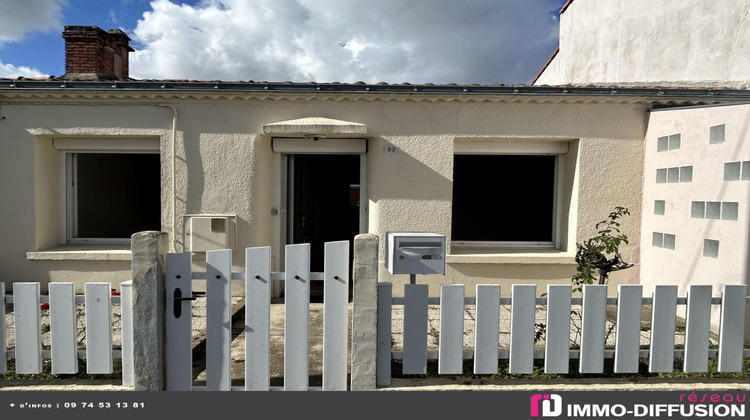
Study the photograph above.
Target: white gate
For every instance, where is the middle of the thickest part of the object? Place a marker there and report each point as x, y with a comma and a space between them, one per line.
258, 279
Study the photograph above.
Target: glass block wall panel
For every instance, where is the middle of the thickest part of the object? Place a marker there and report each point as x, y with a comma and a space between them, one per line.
674, 142
713, 210
669, 241
745, 175
662, 144
698, 209
673, 175
686, 174
659, 207
729, 210
731, 171
710, 248
657, 239
661, 176
716, 134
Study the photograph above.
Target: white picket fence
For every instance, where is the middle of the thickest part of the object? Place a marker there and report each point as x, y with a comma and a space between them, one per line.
258, 278
64, 353
557, 351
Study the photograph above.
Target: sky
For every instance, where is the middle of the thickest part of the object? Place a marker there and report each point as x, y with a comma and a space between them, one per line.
392, 41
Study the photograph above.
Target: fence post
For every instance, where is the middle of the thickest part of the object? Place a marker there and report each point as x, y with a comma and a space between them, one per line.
364, 313
149, 251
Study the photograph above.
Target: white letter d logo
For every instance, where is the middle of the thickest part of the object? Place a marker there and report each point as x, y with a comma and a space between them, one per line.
552, 407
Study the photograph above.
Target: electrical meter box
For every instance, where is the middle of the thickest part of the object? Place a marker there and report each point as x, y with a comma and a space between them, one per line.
415, 253
207, 232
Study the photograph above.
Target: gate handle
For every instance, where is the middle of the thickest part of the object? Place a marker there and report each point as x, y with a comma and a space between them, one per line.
177, 297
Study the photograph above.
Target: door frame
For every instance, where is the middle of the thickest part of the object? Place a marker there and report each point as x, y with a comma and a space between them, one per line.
283, 205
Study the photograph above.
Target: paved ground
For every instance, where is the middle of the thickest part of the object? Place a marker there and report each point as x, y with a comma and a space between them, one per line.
608, 384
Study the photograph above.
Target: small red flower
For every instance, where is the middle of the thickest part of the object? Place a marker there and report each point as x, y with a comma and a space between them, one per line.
44, 306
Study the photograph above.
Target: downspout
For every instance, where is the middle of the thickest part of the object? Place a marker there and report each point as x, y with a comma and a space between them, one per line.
174, 174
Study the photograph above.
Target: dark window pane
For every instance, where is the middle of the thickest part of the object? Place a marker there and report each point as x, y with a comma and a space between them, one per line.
503, 198
118, 194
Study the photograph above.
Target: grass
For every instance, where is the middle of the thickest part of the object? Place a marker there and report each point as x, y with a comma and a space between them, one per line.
538, 371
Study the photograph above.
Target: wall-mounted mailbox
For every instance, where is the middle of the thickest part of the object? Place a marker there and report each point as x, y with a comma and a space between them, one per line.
207, 232
415, 253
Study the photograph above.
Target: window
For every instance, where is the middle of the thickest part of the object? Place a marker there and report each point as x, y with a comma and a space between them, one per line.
504, 199
674, 175
663, 240
724, 210
110, 196
710, 248
659, 207
716, 134
735, 171
671, 142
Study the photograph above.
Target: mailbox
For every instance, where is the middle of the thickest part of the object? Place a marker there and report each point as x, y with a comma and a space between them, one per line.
415, 253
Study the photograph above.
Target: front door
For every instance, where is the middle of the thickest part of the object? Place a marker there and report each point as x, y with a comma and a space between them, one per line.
324, 190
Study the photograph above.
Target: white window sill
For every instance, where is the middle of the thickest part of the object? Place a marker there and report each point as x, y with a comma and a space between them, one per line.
109, 252
475, 255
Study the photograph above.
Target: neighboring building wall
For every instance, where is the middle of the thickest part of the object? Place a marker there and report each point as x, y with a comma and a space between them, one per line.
225, 166
669, 43
702, 209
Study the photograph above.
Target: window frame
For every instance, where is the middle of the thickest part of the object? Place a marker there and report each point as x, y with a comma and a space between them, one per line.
533, 148
70, 148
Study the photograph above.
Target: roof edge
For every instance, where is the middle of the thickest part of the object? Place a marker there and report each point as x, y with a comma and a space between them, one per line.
544, 67
565, 6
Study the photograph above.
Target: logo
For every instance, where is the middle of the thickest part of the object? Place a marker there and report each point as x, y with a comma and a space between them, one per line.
551, 405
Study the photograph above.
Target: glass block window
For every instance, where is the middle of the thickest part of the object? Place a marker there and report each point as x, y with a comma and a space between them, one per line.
659, 207
686, 174
671, 142
661, 176
745, 173
713, 210
724, 210
675, 175
698, 209
662, 144
734, 171
716, 134
710, 248
663, 240
729, 210
669, 241
657, 239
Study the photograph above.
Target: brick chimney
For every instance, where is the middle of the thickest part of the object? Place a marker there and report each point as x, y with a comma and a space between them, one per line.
93, 54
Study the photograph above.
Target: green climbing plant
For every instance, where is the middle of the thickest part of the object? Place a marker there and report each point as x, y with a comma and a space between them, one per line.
596, 258
599, 256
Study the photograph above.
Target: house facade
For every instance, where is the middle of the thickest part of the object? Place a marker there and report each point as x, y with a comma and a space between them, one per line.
514, 176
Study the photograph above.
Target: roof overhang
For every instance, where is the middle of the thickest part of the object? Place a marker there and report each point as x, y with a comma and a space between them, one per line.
315, 126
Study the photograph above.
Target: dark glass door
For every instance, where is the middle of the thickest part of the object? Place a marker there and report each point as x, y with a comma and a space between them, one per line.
325, 194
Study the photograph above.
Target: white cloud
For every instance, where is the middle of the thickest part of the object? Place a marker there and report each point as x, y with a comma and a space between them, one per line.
11, 71
20, 17
419, 41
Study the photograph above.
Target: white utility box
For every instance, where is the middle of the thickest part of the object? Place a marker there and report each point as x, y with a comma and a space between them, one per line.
415, 253
207, 232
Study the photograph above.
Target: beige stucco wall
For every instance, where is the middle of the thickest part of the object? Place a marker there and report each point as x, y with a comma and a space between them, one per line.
669, 42
686, 264
225, 166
